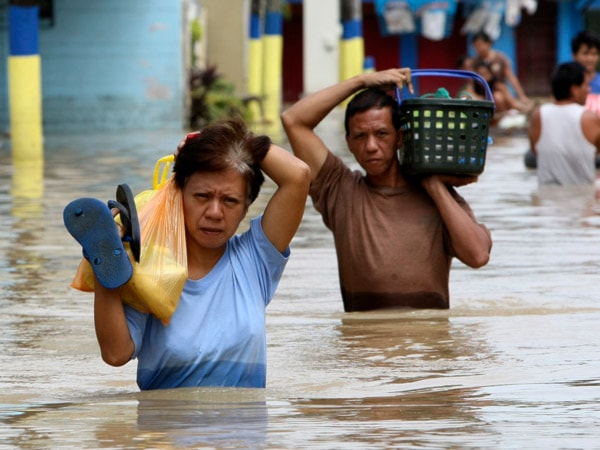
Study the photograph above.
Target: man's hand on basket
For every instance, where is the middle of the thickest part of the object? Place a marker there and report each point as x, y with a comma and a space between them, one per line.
389, 78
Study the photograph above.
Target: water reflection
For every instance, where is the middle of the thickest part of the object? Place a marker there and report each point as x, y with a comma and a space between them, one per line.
28, 179
416, 420
412, 363
23, 257
576, 205
182, 418
204, 417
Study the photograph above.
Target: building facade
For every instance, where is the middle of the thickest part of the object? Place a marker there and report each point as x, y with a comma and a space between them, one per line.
535, 42
125, 64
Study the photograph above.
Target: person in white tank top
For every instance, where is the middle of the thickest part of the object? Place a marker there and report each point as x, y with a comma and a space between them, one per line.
564, 135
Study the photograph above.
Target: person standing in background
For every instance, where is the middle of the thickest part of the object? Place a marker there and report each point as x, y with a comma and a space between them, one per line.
502, 72
564, 135
585, 48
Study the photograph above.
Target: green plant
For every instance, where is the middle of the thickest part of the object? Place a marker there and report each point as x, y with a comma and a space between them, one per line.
196, 37
212, 98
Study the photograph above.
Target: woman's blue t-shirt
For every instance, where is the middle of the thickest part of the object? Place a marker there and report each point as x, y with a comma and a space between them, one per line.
217, 335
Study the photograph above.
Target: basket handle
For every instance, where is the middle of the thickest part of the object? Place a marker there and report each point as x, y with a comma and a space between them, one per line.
453, 73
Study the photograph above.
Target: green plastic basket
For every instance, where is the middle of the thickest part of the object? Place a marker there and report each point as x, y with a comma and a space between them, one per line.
445, 136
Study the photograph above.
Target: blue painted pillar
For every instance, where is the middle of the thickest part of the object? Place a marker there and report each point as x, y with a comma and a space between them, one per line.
369, 64
255, 59
506, 43
569, 22
409, 54
409, 51
25, 100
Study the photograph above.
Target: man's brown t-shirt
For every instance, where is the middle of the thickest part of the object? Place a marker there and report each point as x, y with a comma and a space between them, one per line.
392, 246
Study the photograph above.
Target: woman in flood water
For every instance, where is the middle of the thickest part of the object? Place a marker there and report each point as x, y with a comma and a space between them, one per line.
216, 337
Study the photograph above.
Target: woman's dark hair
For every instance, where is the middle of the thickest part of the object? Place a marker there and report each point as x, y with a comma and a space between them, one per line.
477, 87
372, 98
564, 76
222, 146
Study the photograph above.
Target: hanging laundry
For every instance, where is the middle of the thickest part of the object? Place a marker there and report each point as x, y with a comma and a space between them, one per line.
475, 20
398, 17
493, 25
487, 16
435, 17
433, 24
530, 6
513, 10
395, 16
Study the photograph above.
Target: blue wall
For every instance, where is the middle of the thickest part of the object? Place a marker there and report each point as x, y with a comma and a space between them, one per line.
108, 65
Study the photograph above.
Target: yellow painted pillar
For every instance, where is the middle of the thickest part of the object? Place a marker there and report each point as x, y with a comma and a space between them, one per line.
352, 48
25, 102
25, 108
273, 60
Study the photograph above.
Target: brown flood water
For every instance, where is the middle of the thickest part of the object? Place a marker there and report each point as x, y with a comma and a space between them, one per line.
515, 362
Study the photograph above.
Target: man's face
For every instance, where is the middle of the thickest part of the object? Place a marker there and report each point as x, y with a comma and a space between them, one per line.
588, 57
373, 140
580, 93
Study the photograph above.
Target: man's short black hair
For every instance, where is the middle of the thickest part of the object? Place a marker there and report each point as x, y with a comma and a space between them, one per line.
584, 38
482, 35
564, 76
372, 98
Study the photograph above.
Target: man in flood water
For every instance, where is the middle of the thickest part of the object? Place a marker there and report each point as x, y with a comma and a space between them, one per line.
585, 48
395, 237
564, 135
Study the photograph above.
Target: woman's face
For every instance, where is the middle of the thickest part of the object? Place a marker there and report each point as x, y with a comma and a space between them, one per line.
482, 47
214, 204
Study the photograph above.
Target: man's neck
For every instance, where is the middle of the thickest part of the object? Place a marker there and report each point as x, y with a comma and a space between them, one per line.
395, 179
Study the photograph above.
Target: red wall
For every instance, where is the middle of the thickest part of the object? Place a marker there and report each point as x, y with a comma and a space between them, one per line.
385, 49
293, 55
536, 49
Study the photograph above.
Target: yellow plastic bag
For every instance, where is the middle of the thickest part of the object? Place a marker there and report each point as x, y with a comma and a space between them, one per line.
158, 278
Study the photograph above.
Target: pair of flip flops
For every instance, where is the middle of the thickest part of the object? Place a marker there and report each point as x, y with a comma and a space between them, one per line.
91, 223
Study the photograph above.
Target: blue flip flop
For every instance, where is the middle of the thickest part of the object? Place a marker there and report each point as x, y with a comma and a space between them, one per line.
125, 203
91, 223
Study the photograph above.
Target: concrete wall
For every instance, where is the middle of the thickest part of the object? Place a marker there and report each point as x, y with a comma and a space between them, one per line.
109, 65
322, 33
227, 39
